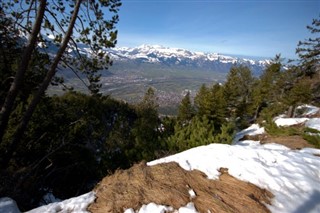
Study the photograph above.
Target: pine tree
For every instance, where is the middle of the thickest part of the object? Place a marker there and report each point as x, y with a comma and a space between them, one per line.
149, 101
300, 93
270, 80
211, 102
186, 110
309, 63
61, 19
200, 131
270, 87
309, 51
217, 111
201, 100
146, 131
238, 92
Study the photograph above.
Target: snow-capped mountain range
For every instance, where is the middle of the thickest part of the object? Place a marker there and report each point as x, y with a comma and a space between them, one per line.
157, 54
167, 56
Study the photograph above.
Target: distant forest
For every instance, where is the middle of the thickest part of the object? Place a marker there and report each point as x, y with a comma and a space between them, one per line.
65, 144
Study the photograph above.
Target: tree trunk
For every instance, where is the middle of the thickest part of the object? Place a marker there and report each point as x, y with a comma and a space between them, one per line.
257, 113
44, 85
291, 112
24, 63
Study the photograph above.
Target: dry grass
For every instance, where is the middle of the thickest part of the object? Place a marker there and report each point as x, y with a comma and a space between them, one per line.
168, 184
292, 142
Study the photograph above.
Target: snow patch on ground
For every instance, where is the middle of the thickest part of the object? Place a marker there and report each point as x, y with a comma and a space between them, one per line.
154, 208
76, 205
151, 207
254, 129
49, 198
313, 123
309, 110
192, 194
7, 205
292, 176
290, 121
189, 208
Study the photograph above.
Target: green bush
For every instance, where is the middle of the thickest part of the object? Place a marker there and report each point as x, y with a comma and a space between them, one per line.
71, 143
312, 139
312, 136
199, 131
226, 135
272, 129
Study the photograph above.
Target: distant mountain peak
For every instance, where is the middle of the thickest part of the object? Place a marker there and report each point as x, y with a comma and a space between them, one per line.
182, 57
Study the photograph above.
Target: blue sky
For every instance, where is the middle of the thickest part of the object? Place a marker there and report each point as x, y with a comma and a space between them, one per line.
240, 27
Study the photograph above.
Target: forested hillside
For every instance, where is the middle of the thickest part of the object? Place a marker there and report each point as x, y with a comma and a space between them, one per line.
63, 145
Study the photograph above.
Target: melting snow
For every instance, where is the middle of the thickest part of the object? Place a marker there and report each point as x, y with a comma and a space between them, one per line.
313, 123
151, 207
254, 129
7, 205
290, 121
308, 110
293, 176
189, 208
76, 205
192, 194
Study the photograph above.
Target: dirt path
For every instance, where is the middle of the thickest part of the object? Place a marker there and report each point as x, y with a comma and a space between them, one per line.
168, 184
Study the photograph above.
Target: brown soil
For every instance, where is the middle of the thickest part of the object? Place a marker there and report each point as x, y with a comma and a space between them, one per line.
168, 184
292, 142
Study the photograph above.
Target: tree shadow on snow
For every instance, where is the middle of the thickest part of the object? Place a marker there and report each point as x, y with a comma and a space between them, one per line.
311, 204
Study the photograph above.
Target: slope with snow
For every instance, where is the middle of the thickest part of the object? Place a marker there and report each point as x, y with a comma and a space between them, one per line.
77, 205
292, 176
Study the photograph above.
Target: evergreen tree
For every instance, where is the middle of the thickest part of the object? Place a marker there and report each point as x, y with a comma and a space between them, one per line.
217, 111
270, 88
270, 79
38, 18
200, 101
72, 142
9, 49
309, 63
299, 93
149, 101
200, 131
211, 103
309, 51
146, 130
186, 110
238, 93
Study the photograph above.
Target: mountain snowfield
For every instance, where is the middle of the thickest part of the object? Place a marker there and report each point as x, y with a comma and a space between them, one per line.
292, 176
154, 54
158, 54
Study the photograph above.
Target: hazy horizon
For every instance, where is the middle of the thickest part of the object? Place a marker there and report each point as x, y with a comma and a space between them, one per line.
239, 27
